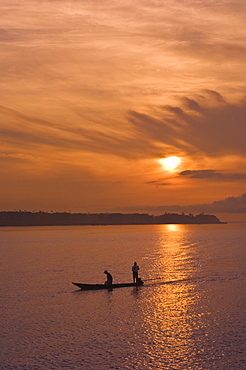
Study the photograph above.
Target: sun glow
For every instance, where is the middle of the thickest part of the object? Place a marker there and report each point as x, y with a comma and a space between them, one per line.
170, 163
173, 227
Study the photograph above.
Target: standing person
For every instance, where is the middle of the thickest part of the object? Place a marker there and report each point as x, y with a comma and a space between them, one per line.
109, 280
135, 269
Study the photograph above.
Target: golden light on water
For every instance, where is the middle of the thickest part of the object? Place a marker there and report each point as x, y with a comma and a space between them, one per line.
173, 227
173, 299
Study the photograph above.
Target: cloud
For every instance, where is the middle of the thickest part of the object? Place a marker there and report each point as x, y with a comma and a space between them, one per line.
158, 183
200, 174
232, 205
214, 130
201, 126
217, 97
26, 131
193, 105
212, 174
7, 36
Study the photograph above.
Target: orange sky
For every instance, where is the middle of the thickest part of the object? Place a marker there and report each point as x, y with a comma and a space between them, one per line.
95, 93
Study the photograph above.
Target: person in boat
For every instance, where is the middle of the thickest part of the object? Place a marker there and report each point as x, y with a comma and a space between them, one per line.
135, 269
109, 280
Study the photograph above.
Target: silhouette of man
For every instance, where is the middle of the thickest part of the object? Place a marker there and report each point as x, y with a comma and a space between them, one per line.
109, 280
135, 269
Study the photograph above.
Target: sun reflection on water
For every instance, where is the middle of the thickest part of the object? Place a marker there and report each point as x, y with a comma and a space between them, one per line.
173, 227
169, 312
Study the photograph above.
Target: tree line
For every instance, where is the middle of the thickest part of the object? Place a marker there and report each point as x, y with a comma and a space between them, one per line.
41, 218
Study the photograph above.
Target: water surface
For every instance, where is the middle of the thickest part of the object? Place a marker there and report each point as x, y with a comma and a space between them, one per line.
190, 314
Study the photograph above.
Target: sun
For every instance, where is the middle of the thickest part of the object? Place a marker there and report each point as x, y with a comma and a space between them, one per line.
170, 163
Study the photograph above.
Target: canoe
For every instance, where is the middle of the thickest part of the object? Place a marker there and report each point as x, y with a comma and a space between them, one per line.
104, 286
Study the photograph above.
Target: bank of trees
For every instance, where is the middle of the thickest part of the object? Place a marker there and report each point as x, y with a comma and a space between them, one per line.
26, 218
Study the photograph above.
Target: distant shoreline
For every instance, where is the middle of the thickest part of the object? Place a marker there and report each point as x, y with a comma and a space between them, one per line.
26, 218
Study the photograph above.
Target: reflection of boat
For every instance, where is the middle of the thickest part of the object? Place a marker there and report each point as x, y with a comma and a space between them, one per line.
104, 286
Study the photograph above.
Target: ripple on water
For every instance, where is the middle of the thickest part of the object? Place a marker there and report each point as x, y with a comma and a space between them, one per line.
192, 317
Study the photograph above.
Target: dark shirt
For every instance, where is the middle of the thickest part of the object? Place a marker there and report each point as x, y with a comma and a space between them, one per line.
109, 278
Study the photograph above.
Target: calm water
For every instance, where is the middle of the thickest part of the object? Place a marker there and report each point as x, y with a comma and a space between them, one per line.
190, 314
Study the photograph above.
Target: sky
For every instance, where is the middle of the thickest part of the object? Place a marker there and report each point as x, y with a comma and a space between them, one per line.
96, 94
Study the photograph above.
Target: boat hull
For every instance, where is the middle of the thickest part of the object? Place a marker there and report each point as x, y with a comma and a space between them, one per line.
104, 286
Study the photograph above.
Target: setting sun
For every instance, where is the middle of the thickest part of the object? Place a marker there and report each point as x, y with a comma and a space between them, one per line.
170, 163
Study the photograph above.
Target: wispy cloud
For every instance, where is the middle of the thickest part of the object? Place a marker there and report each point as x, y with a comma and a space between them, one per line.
213, 130
212, 174
100, 90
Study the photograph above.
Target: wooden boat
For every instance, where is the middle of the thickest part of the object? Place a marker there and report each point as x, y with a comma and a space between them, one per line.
104, 286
